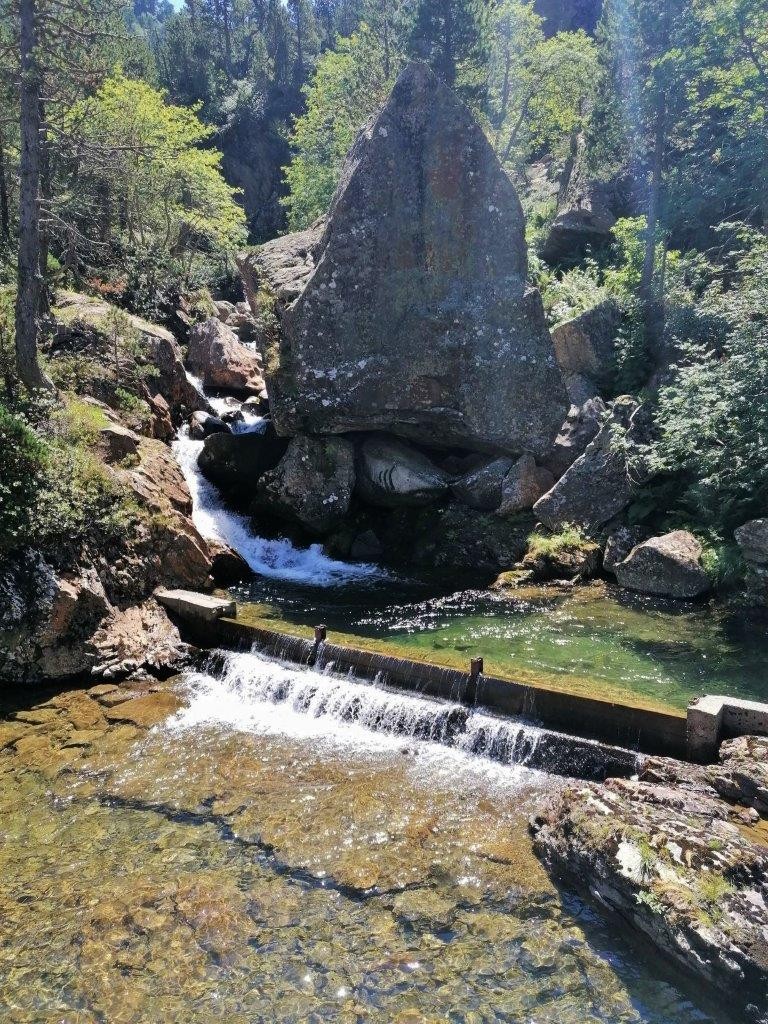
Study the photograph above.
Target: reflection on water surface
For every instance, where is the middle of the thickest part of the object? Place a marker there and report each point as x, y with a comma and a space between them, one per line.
594, 640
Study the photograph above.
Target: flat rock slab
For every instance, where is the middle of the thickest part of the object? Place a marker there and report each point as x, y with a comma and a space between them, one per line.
146, 711
189, 604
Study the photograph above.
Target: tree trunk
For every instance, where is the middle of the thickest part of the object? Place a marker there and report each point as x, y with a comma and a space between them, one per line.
652, 304
449, 57
299, 72
29, 277
5, 215
45, 208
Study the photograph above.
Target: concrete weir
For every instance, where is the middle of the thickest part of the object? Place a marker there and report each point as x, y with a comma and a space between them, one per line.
212, 622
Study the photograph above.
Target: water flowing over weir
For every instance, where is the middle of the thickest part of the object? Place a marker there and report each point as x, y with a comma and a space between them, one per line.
250, 692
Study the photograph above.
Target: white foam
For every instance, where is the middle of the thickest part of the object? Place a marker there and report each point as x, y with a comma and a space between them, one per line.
259, 695
277, 559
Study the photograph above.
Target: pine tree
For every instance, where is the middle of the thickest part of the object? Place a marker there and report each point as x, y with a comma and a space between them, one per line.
452, 36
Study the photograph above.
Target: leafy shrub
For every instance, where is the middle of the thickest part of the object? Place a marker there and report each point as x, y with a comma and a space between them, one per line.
712, 417
55, 492
574, 292
569, 538
23, 463
722, 562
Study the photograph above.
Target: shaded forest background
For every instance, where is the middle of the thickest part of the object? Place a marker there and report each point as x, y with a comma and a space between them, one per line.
164, 140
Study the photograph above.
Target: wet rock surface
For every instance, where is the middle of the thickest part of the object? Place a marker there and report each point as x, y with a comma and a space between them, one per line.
311, 485
683, 866
415, 317
236, 461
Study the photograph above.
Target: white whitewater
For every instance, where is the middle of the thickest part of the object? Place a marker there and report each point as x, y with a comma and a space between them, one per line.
256, 694
277, 559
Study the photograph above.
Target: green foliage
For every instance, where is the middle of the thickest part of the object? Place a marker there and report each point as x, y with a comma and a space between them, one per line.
55, 492
569, 538
648, 898
171, 201
723, 562
540, 90
23, 461
453, 37
573, 292
712, 417
347, 86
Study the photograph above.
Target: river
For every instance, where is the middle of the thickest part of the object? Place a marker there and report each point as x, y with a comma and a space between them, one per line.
289, 846
256, 842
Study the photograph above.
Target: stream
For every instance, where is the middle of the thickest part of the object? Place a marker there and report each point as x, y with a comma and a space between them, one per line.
257, 842
594, 640
291, 846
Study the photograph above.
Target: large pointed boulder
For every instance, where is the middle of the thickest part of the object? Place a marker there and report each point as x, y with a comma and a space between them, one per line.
415, 317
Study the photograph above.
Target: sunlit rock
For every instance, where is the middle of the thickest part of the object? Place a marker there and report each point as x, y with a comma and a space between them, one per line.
410, 313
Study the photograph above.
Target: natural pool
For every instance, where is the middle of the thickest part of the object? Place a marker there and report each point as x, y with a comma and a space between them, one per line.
594, 640
252, 858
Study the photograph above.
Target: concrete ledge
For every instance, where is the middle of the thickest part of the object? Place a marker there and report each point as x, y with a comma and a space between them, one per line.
189, 604
713, 719
640, 729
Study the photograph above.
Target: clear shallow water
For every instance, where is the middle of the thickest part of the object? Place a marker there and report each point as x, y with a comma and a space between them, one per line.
236, 864
594, 640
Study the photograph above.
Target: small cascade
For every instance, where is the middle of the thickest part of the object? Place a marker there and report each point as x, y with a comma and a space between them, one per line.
510, 742
250, 692
277, 559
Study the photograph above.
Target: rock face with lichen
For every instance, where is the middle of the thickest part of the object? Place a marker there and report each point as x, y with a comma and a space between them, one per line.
674, 854
410, 312
669, 566
311, 485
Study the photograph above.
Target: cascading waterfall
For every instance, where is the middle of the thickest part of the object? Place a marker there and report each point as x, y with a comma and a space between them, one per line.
276, 559
253, 693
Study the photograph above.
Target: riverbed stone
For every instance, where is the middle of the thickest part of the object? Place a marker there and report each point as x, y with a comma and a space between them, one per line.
416, 318
480, 488
236, 461
580, 428
752, 539
390, 473
523, 485
312, 484
669, 566
202, 425
565, 559
619, 544
146, 711
674, 860
585, 345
